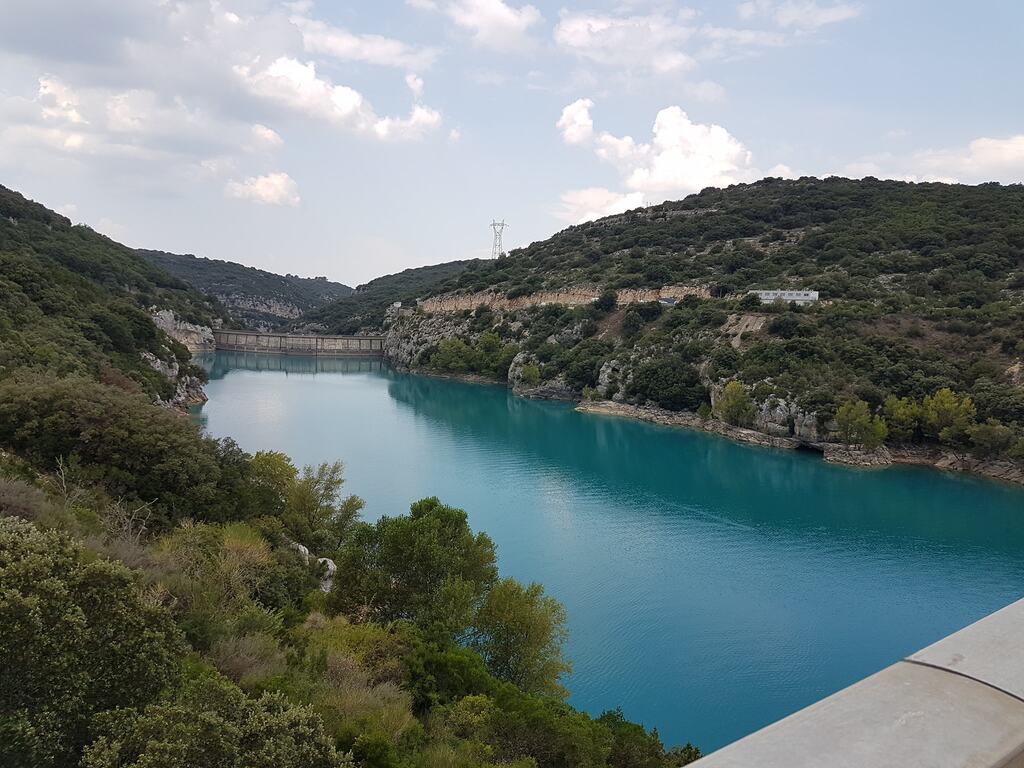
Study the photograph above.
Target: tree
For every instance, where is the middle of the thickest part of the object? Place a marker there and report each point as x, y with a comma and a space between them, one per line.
210, 723
668, 383
453, 356
632, 746
427, 567
519, 632
857, 425
948, 417
315, 512
903, 417
607, 301
76, 638
275, 471
734, 405
991, 438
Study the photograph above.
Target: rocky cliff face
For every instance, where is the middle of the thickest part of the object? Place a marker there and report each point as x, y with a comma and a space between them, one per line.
196, 338
188, 389
573, 296
408, 336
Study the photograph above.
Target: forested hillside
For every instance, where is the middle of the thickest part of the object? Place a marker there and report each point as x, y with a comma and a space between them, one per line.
75, 302
258, 298
366, 307
917, 338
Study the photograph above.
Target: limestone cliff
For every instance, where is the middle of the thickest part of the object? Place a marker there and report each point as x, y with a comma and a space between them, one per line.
195, 338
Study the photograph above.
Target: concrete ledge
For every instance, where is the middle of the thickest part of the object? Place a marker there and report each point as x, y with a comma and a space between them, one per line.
955, 704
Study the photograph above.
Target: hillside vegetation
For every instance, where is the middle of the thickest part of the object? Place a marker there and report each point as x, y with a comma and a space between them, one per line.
257, 298
918, 338
159, 604
365, 308
75, 302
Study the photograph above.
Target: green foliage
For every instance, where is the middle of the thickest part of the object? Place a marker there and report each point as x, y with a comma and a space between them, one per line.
903, 417
530, 375
75, 302
427, 567
948, 416
668, 383
209, 723
734, 406
134, 449
607, 301
76, 639
315, 513
366, 307
237, 285
991, 438
857, 425
519, 632
488, 356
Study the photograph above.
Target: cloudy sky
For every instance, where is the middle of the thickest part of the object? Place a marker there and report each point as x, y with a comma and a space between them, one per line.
353, 139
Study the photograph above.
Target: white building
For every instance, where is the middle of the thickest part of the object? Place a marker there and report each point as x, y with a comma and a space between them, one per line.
801, 298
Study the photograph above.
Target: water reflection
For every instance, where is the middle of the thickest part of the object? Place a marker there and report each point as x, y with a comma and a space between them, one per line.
217, 365
749, 485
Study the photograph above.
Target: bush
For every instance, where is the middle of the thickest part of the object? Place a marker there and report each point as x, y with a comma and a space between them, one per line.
131, 447
76, 639
735, 406
668, 383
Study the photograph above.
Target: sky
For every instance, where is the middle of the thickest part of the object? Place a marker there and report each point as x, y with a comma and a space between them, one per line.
355, 139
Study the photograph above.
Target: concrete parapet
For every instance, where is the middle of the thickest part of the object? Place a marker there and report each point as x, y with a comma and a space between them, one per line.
957, 703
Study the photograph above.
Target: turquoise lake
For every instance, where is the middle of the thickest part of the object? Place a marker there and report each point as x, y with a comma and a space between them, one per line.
711, 587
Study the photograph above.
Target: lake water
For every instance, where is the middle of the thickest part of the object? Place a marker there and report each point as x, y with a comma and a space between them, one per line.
711, 587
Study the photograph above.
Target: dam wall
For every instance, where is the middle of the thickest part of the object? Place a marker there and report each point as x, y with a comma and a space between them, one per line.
299, 344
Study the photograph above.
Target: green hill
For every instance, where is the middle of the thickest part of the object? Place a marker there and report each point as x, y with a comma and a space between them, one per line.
254, 296
366, 306
921, 288
75, 302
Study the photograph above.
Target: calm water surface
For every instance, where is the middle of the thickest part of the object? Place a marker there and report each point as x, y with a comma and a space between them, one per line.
711, 587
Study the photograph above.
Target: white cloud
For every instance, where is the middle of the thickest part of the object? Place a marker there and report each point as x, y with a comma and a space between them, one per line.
576, 124
264, 139
652, 43
580, 205
682, 156
321, 38
704, 90
492, 24
271, 189
58, 101
296, 85
415, 84
799, 14
981, 160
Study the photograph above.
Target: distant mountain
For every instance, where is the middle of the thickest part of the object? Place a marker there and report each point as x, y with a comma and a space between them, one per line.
366, 306
73, 301
258, 298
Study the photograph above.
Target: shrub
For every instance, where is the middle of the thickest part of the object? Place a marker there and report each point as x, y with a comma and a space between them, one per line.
76, 639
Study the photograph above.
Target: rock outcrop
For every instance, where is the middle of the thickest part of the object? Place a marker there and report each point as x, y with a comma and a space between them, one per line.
188, 389
408, 336
572, 296
196, 338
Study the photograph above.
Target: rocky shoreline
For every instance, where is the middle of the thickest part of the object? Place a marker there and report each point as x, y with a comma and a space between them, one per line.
834, 453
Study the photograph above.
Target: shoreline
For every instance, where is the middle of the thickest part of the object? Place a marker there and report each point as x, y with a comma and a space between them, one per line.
833, 453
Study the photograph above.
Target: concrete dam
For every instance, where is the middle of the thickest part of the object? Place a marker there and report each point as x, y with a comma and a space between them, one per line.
298, 344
